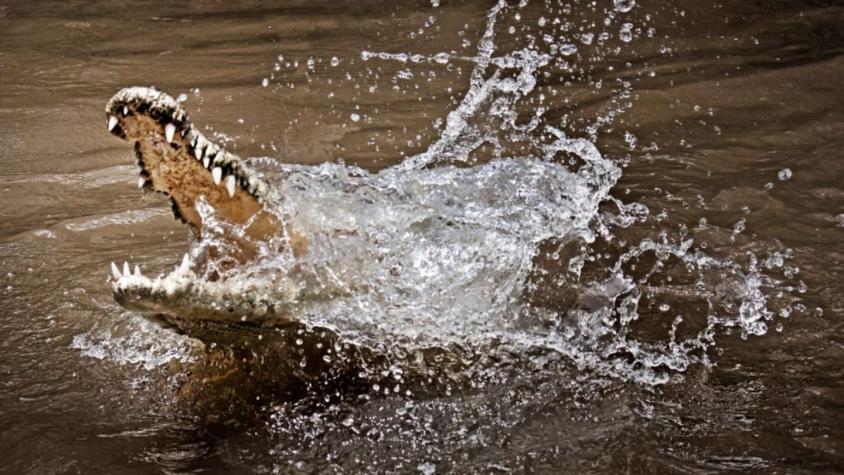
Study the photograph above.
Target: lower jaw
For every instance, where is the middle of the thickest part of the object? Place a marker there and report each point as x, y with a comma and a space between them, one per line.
195, 307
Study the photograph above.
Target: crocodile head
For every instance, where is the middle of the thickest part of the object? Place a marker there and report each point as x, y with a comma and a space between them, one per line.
202, 180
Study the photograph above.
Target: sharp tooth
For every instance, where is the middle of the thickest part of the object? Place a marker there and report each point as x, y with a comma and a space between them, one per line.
115, 273
125, 110
126, 268
169, 131
141, 182
138, 271
206, 161
197, 152
185, 264
112, 121
217, 175
230, 185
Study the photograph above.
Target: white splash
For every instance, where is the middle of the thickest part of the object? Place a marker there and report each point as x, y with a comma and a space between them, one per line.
441, 248
135, 341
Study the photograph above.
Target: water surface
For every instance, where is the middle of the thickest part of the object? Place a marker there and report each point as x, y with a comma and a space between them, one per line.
577, 237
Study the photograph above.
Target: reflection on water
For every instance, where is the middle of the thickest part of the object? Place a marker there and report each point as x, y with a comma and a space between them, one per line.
560, 237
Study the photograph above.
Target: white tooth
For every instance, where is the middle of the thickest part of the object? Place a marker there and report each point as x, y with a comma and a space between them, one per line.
206, 161
126, 268
230, 185
115, 273
125, 110
185, 264
170, 131
112, 121
138, 271
197, 152
141, 182
217, 175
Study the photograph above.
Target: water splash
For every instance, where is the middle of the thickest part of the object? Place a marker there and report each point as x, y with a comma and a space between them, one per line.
450, 247
135, 342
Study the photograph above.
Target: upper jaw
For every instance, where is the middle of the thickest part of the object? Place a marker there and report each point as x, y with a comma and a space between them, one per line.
141, 113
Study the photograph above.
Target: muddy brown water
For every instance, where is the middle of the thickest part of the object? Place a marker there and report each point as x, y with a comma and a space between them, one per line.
742, 99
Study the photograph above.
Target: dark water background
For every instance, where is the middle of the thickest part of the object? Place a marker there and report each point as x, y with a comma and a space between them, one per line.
741, 91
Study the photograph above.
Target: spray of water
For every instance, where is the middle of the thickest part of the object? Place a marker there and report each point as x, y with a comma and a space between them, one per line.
453, 247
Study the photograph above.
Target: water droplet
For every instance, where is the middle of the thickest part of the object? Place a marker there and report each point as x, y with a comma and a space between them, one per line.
334, 61
427, 468
624, 5
626, 33
784, 174
441, 58
631, 140
568, 49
